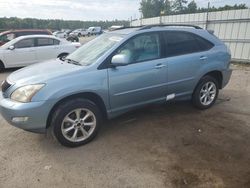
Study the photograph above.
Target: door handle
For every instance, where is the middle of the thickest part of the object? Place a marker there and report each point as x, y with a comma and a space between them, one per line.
159, 66
203, 58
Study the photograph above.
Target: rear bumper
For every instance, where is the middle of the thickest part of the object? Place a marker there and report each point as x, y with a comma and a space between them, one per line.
226, 75
36, 114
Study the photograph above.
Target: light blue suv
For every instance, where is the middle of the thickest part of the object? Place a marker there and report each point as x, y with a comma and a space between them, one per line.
114, 73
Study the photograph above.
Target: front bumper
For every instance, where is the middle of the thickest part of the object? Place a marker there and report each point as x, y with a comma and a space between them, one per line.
36, 113
226, 75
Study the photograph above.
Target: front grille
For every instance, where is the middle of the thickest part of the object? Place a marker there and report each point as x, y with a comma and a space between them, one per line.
5, 85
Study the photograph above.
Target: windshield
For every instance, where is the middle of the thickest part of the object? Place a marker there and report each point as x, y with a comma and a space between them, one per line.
94, 49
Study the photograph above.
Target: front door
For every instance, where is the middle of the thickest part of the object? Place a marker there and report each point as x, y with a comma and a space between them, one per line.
144, 79
23, 54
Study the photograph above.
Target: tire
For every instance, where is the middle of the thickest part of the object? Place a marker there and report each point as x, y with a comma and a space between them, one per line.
77, 131
205, 93
2, 67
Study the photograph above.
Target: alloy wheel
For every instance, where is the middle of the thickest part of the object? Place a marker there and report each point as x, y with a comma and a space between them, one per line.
78, 125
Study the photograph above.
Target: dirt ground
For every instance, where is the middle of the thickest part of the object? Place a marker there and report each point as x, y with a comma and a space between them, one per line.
171, 145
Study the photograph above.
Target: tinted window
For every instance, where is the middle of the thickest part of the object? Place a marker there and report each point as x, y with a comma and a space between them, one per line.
179, 43
141, 48
26, 43
204, 44
45, 42
23, 33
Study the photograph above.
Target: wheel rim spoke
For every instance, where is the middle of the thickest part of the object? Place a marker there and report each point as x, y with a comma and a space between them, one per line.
84, 132
68, 119
89, 124
86, 117
78, 114
74, 136
69, 129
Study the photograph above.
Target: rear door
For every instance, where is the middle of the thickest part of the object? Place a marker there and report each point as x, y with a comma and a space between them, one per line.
144, 79
186, 54
47, 48
23, 54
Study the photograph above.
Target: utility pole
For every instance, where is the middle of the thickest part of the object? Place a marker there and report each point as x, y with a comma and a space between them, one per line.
208, 7
141, 19
161, 14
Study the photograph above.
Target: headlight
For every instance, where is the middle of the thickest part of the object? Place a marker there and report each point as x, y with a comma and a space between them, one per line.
25, 93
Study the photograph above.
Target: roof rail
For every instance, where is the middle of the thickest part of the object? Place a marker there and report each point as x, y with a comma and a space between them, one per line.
165, 25
125, 27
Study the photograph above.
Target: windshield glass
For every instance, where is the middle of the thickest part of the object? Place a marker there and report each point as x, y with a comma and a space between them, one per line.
94, 49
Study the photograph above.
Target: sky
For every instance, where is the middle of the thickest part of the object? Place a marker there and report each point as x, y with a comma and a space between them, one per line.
84, 9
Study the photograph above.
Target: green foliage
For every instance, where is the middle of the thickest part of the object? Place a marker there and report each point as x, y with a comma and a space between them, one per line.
153, 8
32, 23
179, 5
192, 7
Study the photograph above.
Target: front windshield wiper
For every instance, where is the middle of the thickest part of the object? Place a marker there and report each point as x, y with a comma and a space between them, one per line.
71, 61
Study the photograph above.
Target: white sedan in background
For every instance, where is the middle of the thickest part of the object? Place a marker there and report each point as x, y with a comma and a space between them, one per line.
60, 34
26, 50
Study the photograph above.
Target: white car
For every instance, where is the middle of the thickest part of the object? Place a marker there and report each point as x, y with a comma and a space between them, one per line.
60, 34
30, 49
80, 32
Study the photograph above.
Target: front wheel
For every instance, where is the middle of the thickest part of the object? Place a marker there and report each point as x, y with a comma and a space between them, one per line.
76, 122
205, 93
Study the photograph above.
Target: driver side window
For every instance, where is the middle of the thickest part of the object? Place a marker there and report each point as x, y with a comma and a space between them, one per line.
142, 48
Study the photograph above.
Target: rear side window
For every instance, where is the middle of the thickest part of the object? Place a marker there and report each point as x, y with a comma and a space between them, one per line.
45, 42
180, 43
26, 43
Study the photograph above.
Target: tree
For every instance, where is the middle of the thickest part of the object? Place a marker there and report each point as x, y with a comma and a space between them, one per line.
179, 6
167, 7
192, 7
32, 23
153, 8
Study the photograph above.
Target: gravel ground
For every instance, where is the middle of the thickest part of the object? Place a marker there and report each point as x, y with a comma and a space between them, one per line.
171, 145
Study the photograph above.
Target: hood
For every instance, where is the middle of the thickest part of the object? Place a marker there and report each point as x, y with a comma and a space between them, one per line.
42, 72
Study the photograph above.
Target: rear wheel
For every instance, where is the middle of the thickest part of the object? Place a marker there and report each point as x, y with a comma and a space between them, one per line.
76, 122
206, 92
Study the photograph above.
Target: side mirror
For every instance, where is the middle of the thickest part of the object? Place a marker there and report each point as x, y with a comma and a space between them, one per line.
11, 47
120, 60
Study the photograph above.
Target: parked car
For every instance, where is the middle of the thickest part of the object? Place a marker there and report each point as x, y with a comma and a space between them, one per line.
94, 30
114, 27
72, 38
60, 34
113, 74
80, 32
32, 49
67, 31
12, 34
